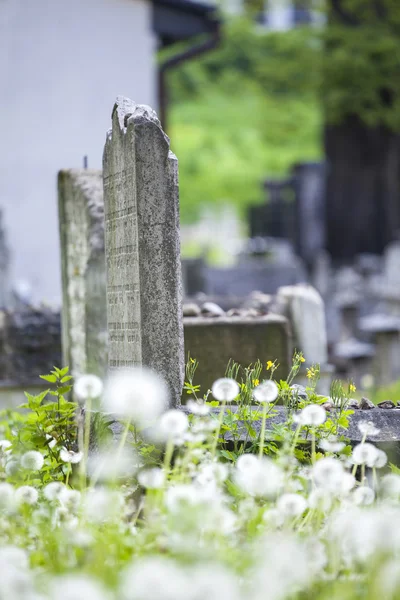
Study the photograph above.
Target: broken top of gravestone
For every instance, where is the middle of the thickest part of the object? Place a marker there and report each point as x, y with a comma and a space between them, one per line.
144, 288
81, 222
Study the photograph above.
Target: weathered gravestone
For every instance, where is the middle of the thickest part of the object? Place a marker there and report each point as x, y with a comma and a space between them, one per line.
84, 321
144, 289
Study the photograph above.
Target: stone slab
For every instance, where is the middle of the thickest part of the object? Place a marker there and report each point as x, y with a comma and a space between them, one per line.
214, 341
81, 222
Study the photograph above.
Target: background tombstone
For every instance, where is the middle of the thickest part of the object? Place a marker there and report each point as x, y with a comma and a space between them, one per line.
84, 321
309, 184
215, 341
144, 288
304, 307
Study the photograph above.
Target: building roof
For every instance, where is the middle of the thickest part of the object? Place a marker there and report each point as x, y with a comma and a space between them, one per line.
177, 20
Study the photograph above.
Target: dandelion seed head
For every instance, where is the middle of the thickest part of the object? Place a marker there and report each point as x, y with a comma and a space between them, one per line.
32, 460
364, 454
6, 496
76, 587
291, 505
327, 473
312, 415
54, 490
266, 392
173, 423
26, 494
200, 409
152, 478
88, 386
137, 393
225, 389
363, 496
368, 428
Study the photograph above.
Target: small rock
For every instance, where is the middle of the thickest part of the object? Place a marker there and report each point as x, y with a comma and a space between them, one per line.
235, 312
353, 404
299, 391
386, 404
191, 310
210, 309
366, 404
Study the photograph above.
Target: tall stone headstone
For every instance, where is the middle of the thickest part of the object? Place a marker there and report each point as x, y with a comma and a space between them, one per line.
84, 321
144, 288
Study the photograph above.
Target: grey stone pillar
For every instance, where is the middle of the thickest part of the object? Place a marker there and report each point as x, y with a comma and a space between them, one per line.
144, 288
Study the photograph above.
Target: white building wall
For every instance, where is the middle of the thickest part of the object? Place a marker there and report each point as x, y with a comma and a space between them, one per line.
62, 63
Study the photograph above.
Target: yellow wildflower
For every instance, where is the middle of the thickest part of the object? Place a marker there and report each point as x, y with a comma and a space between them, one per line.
352, 387
270, 364
302, 359
310, 373
256, 382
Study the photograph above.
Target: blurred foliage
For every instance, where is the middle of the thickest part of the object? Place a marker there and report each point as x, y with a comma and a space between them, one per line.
361, 67
245, 111
255, 106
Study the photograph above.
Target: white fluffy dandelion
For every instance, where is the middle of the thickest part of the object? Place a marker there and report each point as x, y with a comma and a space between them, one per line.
12, 467
262, 477
312, 415
379, 461
26, 494
111, 463
327, 473
266, 392
291, 505
88, 386
173, 423
136, 393
368, 428
32, 460
390, 486
69, 456
364, 454
225, 389
152, 478
76, 587
331, 444
5, 446
6, 496
54, 490
145, 575
363, 496
200, 409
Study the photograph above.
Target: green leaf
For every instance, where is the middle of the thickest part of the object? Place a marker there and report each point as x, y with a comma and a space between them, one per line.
65, 389
64, 371
66, 378
229, 455
49, 378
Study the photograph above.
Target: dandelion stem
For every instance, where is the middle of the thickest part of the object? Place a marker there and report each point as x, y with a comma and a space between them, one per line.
220, 420
68, 474
354, 471
123, 438
296, 437
313, 453
168, 455
262, 435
